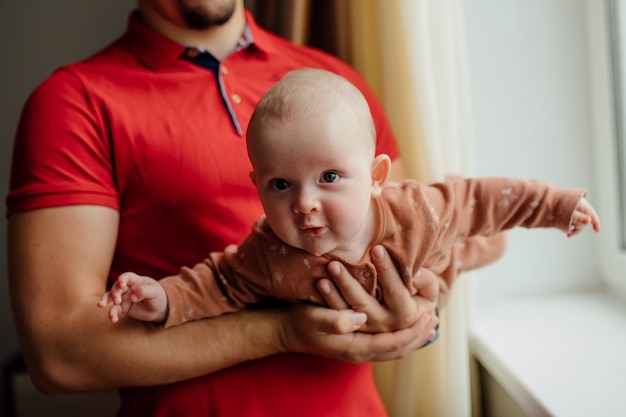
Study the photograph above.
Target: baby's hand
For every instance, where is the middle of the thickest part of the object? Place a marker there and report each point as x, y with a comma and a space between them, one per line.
141, 298
584, 214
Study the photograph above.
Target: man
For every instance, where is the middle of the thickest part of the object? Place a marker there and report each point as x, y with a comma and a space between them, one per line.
145, 140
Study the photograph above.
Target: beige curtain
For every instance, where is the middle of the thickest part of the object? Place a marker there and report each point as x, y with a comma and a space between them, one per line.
411, 52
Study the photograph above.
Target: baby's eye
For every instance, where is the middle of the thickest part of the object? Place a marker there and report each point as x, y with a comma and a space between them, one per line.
279, 184
330, 176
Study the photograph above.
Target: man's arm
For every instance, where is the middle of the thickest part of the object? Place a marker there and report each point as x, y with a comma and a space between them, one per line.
59, 259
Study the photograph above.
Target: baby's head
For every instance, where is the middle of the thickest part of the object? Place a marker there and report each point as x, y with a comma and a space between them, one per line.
311, 142
313, 93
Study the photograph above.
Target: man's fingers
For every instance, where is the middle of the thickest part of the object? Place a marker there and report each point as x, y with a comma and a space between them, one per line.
400, 343
426, 284
331, 295
337, 322
394, 290
350, 289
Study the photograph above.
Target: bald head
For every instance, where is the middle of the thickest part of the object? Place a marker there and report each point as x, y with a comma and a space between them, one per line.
313, 93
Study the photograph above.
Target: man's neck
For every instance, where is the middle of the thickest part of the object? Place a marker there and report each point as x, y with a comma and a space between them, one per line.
218, 40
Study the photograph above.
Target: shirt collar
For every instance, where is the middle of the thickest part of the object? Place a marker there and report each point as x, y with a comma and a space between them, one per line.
157, 51
263, 40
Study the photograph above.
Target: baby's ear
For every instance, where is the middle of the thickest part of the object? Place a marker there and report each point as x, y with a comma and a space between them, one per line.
381, 169
253, 177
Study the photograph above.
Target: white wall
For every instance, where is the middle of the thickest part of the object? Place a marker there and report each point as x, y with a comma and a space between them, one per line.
37, 36
528, 72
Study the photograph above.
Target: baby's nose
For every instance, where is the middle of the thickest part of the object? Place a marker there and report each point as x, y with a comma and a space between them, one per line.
306, 202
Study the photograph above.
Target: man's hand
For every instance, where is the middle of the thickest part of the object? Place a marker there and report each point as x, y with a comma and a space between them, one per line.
401, 306
315, 330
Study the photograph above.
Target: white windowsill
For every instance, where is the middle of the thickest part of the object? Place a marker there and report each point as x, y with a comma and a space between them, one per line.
557, 356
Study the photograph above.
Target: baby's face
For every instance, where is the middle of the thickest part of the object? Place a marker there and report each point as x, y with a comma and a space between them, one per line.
313, 175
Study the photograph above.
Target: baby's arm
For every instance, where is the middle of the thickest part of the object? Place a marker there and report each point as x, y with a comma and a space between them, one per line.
584, 214
488, 205
141, 298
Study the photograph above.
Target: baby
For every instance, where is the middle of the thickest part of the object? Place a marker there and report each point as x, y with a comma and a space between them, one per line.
326, 196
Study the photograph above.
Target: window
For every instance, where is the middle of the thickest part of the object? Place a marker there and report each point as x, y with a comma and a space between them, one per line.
539, 328
607, 29
616, 22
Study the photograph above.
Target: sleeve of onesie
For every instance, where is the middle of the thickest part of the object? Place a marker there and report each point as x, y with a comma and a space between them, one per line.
225, 282
486, 206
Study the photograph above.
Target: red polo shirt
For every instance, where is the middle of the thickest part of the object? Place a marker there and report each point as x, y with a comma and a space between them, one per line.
141, 128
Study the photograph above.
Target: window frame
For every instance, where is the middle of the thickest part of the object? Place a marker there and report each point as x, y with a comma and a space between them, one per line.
608, 110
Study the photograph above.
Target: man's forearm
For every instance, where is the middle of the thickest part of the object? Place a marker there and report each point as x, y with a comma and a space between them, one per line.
94, 354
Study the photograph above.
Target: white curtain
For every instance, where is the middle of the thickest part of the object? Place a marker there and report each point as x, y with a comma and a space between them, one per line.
435, 381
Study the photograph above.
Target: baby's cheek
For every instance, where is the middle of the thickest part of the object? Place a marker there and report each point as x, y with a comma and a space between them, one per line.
349, 217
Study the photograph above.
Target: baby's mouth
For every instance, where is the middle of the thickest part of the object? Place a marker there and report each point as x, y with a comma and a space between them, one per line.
312, 231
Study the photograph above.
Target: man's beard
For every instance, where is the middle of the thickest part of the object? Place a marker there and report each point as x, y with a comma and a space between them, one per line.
201, 17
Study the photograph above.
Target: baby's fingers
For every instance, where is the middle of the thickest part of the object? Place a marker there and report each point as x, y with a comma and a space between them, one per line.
105, 300
580, 220
140, 292
122, 286
114, 313
586, 209
574, 230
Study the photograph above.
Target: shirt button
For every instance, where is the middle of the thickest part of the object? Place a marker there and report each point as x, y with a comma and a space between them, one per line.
224, 70
235, 98
192, 53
